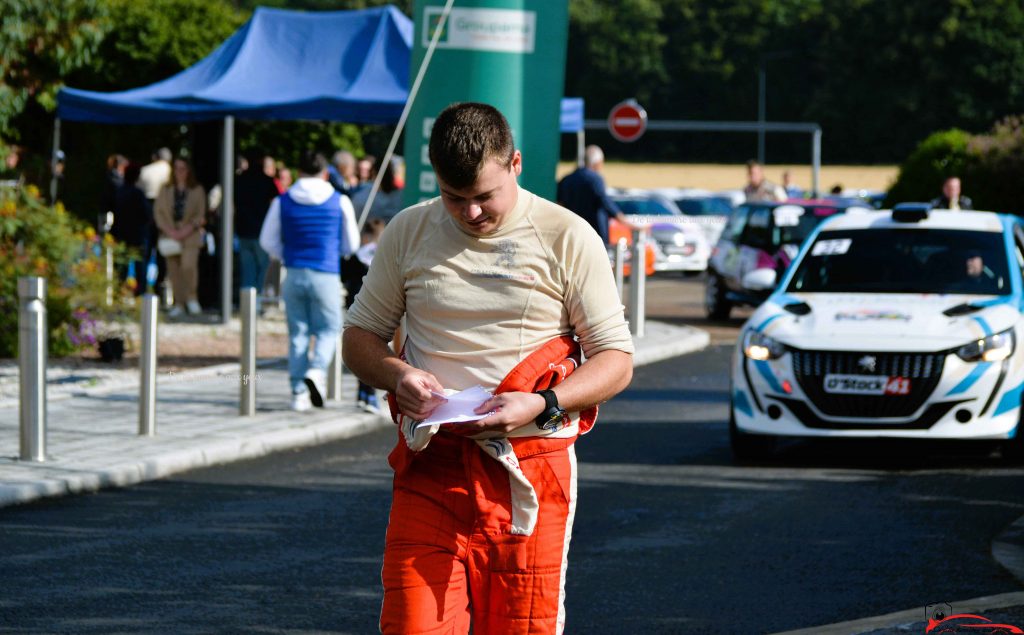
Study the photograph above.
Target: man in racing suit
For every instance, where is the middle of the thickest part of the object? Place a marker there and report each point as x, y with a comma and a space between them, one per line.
494, 282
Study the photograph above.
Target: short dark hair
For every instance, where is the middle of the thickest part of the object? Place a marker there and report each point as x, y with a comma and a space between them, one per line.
312, 163
753, 163
132, 173
464, 137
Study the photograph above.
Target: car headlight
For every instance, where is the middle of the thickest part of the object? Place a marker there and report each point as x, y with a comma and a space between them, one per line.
993, 348
760, 347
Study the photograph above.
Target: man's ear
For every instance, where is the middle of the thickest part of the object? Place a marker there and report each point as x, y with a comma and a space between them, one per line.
517, 163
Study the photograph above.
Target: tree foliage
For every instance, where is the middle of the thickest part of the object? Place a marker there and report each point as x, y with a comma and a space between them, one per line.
41, 42
878, 76
148, 41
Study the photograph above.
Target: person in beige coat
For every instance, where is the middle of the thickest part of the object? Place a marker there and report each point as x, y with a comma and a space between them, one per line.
180, 213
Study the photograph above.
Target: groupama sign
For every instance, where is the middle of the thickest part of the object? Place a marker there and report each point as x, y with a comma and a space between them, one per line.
507, 53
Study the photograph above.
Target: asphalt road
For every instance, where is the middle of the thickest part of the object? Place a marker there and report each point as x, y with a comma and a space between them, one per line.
671, 536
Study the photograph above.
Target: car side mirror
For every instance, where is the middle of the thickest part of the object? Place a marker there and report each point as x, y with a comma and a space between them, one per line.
759, 280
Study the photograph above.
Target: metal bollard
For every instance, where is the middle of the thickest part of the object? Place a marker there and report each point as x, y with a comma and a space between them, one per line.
620, 265
32, 344
108, 253
247, 400
337, 367
147, 366
637, 283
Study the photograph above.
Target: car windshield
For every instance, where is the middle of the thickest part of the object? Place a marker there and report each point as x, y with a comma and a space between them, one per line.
904, 261
792, 225
643, 207
704, 206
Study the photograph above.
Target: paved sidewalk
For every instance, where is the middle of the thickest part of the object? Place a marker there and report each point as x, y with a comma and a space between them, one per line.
92, 441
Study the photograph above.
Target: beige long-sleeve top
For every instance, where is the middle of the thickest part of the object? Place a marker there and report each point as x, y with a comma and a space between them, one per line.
477, 306
195, 212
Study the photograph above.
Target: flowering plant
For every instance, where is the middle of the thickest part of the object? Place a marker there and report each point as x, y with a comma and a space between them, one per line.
38, 239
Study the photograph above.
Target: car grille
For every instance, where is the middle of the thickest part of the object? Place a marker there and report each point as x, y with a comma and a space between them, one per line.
922, 369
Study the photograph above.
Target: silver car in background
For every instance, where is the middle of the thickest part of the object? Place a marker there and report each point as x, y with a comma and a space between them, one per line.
679, 244
708, 210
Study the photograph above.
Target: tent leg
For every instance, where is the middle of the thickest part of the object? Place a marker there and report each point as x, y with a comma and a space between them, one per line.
816, 162
227, 216
53, 160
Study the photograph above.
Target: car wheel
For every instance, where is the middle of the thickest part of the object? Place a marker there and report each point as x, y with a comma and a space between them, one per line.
746, 446
716, 305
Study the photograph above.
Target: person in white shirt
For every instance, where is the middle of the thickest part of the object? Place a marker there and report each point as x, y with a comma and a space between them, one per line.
310, 228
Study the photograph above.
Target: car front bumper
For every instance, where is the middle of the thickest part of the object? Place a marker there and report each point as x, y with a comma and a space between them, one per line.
968, 401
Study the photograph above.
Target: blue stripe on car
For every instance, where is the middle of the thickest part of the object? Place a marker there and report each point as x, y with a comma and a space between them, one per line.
971, 377
1009, 401
766, 371
984, 326
760, 327
739, 399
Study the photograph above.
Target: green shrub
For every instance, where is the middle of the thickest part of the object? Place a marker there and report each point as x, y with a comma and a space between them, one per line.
920, 178
992, 176
37, 239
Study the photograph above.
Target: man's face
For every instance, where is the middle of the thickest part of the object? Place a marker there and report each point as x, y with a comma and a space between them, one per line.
364, 168
755, 175
951, 189
483, 207
975, 266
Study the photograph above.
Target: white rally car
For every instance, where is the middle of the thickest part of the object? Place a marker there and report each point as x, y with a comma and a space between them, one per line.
888, 324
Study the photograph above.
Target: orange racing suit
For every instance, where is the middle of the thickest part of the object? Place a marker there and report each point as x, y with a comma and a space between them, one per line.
460, 547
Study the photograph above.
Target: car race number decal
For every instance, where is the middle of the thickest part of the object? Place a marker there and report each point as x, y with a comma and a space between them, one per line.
866, 385
833, 247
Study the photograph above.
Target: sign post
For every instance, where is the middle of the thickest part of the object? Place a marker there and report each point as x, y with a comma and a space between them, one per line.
627, 121
507, 53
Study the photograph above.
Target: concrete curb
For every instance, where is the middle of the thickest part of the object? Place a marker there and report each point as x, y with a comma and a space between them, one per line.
906, 619
1008, 549
690, 340
55, 393
87, 479
89, 476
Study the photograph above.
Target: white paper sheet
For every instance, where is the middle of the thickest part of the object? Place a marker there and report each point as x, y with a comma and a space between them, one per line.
459, 407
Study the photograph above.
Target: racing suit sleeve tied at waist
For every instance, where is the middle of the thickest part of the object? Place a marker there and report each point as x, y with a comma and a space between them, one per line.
543, 369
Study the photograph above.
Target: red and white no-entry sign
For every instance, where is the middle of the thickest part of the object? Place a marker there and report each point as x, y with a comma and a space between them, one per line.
627, 121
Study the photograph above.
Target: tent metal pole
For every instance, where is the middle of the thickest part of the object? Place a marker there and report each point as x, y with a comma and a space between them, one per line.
816, 162
227, 216
413, 90
53, 160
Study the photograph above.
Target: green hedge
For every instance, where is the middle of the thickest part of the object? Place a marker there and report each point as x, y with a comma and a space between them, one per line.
920, 178
989, 165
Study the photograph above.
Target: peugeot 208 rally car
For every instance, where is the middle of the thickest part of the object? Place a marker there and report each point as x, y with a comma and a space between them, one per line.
888, 324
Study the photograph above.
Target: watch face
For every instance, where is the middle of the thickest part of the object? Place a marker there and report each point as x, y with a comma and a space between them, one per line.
554, 420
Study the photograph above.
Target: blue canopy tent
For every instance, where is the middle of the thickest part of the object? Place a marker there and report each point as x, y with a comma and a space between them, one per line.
341, 66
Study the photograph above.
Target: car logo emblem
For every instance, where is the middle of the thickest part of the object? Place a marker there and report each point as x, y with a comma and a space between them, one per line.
867, 363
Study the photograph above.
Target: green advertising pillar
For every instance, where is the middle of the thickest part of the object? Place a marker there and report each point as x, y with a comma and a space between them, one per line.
507, 53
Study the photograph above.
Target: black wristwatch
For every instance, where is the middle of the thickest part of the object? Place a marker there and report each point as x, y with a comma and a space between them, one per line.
553, 415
